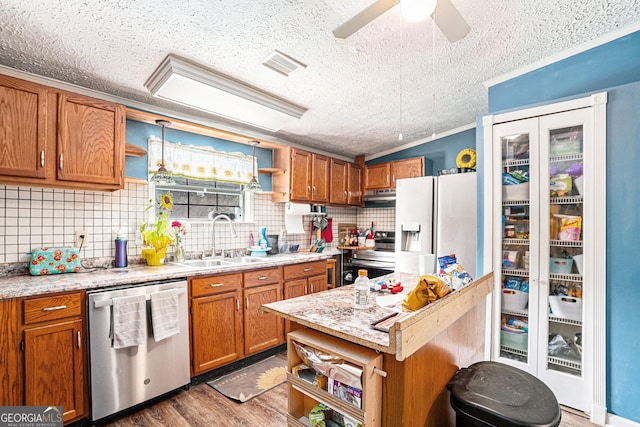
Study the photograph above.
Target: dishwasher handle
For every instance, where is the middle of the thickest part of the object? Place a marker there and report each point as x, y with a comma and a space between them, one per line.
109, 302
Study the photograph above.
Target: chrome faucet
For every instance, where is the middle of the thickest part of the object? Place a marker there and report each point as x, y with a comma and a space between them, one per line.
215, 219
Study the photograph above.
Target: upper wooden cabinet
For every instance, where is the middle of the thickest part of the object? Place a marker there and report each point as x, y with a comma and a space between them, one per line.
305, 178
354, 184
54, 138
90, 140
338, 193
23, 113
383, 176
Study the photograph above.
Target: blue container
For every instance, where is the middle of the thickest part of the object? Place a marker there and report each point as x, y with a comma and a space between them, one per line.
121, 253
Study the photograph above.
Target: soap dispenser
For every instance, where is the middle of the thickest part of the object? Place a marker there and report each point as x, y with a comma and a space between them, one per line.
263, 243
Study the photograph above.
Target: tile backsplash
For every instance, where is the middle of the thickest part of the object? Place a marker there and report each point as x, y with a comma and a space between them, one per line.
35, 217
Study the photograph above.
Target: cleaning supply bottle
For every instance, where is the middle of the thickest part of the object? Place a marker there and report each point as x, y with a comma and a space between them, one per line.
263, 243
252, 242
362, 290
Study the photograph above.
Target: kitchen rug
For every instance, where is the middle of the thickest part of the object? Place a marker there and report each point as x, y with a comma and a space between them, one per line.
250, 381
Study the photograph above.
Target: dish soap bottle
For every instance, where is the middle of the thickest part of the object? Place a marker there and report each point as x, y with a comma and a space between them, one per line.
362, 290
263, 243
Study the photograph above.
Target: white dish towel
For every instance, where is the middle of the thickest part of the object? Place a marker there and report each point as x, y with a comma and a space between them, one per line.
164, 314
129, 321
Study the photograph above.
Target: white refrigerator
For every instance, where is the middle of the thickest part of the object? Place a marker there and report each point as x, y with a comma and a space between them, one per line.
436, 216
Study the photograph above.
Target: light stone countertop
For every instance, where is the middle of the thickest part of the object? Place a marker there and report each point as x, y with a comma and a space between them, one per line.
333, 312
96, 278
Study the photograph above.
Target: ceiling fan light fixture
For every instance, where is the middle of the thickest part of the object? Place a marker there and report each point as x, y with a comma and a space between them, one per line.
417, 10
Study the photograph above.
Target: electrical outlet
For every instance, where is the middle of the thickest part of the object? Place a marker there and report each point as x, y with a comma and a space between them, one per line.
82, 239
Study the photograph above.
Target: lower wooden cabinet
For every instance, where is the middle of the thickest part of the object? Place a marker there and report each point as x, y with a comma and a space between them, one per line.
303, 279
54, 367
45, 350
226, 322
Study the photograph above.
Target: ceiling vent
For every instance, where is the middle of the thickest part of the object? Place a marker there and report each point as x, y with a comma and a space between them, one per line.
283, 64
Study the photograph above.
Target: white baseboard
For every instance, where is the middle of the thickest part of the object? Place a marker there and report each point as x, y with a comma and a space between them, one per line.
616, 421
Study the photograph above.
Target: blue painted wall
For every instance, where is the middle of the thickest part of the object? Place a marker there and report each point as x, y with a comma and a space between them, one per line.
138, 133
438, 154
614, 67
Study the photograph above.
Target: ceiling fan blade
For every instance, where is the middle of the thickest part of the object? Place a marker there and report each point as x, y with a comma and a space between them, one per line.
450, 21
363, 18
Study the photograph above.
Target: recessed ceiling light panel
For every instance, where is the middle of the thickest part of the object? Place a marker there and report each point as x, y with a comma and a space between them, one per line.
182, 82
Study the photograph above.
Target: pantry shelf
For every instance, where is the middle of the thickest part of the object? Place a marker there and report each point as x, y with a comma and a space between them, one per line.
564, 321
566, 363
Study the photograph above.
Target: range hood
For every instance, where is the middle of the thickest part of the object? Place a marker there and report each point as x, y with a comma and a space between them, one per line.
380, 198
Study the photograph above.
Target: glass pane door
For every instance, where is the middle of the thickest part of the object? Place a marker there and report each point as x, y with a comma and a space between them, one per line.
517, 300
565, 249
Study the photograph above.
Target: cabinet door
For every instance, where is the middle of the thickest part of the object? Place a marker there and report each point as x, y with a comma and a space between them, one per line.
90, 140
317, 283
339, 173
23, 107
409, 168
11, 368
54, 368
292, 289
320, 179
354, 184
300, 176
377, 177
217, 331
261, 330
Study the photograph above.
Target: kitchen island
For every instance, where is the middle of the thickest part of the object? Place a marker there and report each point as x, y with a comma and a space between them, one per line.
421, 352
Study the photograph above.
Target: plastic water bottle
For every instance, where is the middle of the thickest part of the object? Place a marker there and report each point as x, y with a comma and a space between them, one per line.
362, 290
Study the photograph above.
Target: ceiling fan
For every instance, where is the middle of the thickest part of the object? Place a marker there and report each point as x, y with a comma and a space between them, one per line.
445, 15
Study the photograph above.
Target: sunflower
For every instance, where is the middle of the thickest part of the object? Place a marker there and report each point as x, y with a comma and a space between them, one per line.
272, 377
166, 201
466, 158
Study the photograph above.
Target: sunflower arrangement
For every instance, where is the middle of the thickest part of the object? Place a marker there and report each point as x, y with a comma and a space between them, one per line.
159, 234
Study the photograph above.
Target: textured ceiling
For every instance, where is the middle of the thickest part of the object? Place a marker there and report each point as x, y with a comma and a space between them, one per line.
360, 93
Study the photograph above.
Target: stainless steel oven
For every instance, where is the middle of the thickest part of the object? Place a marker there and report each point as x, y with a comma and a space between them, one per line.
378, 261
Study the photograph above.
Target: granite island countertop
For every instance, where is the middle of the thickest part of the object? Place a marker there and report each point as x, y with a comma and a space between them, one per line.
333, 313
97, 278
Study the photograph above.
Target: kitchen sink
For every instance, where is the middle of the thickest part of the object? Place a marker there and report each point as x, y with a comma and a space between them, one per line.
203, 263
244, 260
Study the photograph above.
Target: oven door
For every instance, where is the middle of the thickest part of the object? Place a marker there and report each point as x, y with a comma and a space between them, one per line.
373, 270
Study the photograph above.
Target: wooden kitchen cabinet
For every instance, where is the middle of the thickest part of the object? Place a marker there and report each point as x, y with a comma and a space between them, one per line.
23, 132
91, 140
54, 138
216, 319
339, 174
354, 184
55, 354
345, 183
303, 279
261, 330
305, 178
382, 176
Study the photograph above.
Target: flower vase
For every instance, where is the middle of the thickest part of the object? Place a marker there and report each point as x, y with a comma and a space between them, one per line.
178, 255
154, 257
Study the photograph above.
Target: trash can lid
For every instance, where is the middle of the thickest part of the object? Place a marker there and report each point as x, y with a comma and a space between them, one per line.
503, 396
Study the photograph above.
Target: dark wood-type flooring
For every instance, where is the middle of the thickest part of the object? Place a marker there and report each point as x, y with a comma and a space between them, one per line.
204, 406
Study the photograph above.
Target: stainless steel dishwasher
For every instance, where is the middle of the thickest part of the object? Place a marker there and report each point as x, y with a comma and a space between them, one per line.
124, 377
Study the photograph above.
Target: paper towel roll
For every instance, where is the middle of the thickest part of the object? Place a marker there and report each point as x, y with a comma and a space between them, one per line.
297, 208
293, 221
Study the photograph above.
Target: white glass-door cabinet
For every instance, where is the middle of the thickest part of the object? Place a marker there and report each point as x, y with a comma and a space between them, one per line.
547, 167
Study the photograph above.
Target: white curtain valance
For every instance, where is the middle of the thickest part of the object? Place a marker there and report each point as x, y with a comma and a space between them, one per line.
203, 163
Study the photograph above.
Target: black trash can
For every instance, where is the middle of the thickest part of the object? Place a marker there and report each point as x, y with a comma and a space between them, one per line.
495, 394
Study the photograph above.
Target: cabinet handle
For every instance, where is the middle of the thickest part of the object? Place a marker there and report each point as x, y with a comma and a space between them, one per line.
308, 189
379, 372
42, 158
306, 290
387, 179
79, 340
59, 307
347, 194
61, 160
307, 269
238, 305
246, 302
314, 190
263, 278
216, 285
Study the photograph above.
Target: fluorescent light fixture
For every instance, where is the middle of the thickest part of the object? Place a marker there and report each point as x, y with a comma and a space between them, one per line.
180, 81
